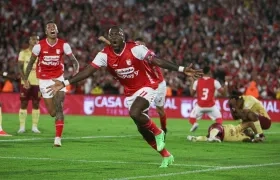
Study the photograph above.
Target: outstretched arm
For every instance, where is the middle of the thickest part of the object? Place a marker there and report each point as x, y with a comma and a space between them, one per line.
81, 75
174, 67
78, 77
165, 64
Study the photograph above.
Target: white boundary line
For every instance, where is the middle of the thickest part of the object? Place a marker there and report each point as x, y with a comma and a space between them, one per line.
91, 137
68, 138
198, 171
91, 161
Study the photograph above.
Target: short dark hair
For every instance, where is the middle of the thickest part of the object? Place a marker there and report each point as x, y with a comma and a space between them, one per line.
139, 39
50, 22
206, 69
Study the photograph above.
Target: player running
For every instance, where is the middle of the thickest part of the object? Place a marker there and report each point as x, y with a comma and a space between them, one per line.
125, 61
156, 73
50, 65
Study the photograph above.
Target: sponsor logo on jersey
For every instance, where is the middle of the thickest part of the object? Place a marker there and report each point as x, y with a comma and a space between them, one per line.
129, 73
51, 60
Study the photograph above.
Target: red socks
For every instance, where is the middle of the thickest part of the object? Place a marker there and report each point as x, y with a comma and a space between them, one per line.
192, 120
219, 120
163, 153
59, 124
151, 126
163, 122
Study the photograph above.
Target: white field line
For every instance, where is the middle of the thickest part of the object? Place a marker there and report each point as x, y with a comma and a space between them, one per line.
68, 138
198, 171
92, 161
92, 137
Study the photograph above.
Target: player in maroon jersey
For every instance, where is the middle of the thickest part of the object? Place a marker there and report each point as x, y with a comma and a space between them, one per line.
125, 61
50, 65
205, 88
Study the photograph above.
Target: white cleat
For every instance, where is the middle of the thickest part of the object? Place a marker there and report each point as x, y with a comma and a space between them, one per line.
213, 139
191, 138
21, 130
57, 142
36, 130
194, 127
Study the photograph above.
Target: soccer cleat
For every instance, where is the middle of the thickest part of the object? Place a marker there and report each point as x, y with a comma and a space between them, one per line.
36, 130
21, 130
3, 133
191, 138
57, 142
167, 161
194, 127
213, 139
160, 141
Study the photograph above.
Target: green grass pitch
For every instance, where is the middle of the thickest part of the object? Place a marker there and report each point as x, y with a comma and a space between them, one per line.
111, 148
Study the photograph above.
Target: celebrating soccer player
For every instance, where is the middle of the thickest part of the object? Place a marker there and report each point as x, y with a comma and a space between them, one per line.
50, 65
154, 71
126, 62
33, 92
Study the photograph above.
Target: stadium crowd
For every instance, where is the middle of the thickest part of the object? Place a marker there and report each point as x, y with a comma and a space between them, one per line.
237, 38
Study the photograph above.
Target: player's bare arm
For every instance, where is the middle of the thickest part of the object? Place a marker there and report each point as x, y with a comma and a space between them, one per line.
78, 77
192, 92
165, 64
28, 70
189, 71
21, 69
75, 63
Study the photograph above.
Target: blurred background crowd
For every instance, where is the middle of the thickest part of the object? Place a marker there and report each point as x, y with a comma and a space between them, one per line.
236, 38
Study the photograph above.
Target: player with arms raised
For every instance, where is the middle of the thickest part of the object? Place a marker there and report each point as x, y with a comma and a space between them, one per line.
205, 88
50, 65
33, 93
156, 73
125, 61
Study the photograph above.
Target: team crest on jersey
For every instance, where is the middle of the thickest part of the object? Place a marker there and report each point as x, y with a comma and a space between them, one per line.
57, 51
128, 62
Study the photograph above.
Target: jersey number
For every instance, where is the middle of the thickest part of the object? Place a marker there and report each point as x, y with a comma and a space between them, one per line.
205, 92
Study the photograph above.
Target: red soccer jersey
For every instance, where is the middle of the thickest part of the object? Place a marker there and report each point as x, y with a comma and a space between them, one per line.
128, 67
205, 88
155, 72
50, 62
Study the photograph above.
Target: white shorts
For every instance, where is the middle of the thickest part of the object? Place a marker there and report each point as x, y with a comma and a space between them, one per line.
161, 93
213, 112
44, 83
146, 92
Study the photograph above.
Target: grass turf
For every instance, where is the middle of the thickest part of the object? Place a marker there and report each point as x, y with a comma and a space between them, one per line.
111, 148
